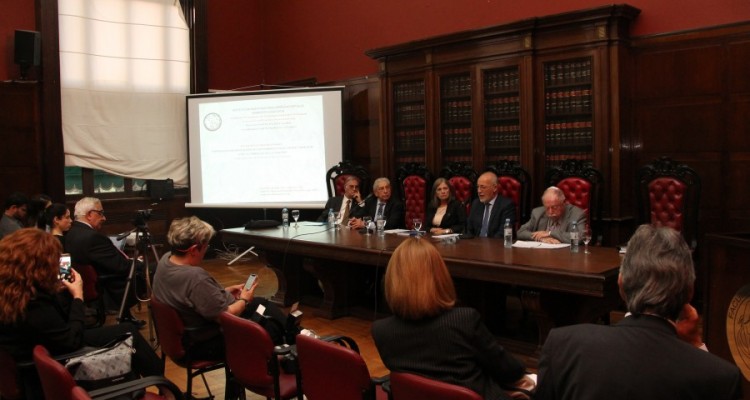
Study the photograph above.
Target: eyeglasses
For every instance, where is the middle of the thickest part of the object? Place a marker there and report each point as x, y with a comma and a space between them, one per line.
100, 212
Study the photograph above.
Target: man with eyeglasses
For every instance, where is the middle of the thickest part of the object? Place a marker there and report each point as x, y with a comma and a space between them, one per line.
551, 222
343, 204
88, 246
15, 213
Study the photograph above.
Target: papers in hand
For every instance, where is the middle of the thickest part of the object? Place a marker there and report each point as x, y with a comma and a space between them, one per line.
525, 244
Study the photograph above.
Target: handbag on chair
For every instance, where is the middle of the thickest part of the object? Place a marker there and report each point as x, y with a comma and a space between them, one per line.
104, 366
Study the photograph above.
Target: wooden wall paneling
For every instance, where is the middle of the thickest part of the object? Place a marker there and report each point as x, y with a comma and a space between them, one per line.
21, 164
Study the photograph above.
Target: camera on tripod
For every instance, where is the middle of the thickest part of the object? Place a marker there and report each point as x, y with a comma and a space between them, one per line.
141, 218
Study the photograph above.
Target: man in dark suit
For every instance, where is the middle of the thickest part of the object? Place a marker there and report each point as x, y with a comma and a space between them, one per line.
656, 352
382, 204
489, 211
343, 204
87, 246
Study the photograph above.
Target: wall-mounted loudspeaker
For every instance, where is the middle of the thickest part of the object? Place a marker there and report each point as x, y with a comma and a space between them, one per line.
27, 50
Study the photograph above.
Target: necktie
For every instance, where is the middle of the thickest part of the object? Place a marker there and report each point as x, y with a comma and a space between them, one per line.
485, 220
379, 213
347, 207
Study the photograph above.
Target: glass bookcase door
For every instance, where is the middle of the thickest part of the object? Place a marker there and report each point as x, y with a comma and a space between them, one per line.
568, 110
456, 118
409, 122
502, 114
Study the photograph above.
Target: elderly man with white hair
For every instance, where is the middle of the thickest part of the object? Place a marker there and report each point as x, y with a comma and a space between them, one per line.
551, 222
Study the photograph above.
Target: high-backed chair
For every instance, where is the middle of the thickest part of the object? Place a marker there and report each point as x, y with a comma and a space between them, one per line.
176, 344
583, 186
514, 182
253, 359
334, 370
92, 293
463, 178
415, 181
337, 175
405, 386
10, 379
669, 195
58, 384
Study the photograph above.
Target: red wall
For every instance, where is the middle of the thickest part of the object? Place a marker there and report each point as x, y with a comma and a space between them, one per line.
327, 39
16, 14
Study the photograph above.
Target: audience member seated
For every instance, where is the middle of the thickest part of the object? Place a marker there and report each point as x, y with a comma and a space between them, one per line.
551, 223
445, 214
428, 336
87, 246
58, 221
382, 204
654, 352
343, 204
16, 207
38, 204
490, 210
181, 283
37, 307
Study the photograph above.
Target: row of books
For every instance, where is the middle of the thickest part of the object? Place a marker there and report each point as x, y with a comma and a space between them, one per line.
501, 80
410, 140
502, 107
402, 160
556, 159
457, 139
568, 133
494, 158
409, 114
510, 140
456, 86
462, 158
456, 111
567, 101
408, 91
503, 129
567, 72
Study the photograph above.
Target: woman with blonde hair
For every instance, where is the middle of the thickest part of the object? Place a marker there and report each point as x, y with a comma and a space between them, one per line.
427, 335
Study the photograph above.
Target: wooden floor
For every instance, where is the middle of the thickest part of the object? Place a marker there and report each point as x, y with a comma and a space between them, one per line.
356, 328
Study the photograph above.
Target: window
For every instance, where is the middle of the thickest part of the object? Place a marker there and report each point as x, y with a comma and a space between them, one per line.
124, 74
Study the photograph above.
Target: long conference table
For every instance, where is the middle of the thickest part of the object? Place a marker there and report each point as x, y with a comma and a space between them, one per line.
556, 286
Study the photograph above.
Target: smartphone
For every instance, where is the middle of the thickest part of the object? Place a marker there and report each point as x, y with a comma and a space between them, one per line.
65, 268
250, 280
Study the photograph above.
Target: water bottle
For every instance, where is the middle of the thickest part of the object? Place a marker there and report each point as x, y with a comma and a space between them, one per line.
331, 219
285, 218
574, 237
507, 234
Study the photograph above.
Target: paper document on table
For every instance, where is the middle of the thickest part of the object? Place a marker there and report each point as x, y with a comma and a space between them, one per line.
525, 244
448, 235
312, 223
396, 230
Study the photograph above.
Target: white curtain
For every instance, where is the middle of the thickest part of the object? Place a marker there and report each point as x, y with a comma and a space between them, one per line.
124, 74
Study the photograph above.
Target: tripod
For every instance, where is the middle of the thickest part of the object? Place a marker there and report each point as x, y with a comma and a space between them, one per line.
142, 246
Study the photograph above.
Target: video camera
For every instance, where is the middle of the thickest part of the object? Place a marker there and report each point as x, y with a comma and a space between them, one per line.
141, 218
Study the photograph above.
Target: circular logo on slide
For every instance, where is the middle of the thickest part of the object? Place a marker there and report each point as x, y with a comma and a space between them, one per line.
212, 121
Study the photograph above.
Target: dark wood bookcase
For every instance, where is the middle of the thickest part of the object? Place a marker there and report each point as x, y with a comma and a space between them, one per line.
536, 91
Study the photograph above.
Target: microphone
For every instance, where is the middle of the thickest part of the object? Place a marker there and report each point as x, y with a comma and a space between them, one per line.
365, 199
125, 234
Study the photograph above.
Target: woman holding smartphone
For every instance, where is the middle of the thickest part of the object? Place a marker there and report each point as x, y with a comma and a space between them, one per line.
37, 307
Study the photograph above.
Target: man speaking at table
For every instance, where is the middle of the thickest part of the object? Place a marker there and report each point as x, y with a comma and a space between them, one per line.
382, 205
490, 210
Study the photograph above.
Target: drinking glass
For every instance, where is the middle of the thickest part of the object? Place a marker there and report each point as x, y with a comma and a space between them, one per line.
380, 225
336, 215
295, 215
417, 224
366, 220
586, 239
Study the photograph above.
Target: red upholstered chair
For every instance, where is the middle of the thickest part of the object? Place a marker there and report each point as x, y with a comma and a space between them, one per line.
10, 380
415, 181
669, 195
92, 293
334, 370
583, 186
254, 361
175, 344
514, 183
58, 384
406, 386
337, 175
463, 178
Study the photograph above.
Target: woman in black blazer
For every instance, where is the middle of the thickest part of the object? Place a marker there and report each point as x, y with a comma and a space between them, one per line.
430, 337
445, 214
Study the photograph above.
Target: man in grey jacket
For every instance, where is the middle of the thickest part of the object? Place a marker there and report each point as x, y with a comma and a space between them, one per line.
551, 222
